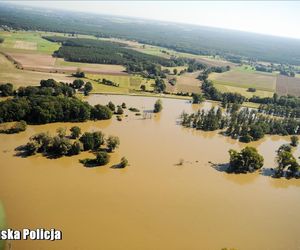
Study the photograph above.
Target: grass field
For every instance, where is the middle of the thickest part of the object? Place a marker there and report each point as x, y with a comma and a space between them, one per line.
243, 91
288, 85
27, 41
243, 79
127, 83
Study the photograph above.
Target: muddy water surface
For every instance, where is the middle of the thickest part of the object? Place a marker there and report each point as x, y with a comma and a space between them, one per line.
153, 203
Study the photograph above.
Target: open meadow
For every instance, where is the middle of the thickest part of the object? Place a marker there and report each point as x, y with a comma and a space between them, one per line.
241, 78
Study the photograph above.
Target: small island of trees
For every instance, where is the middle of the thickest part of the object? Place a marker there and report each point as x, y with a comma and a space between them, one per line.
67, 145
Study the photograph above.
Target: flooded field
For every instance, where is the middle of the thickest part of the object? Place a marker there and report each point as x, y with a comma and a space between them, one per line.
153, 203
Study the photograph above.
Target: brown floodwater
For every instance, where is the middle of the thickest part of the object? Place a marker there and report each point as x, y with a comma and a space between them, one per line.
154, 203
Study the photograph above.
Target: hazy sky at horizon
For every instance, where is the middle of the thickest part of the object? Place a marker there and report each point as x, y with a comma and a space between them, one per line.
269, 17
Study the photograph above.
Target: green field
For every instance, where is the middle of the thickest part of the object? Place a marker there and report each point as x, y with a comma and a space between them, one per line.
27, 41
126, 83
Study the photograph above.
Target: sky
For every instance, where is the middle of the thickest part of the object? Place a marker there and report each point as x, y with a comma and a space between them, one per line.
279, 18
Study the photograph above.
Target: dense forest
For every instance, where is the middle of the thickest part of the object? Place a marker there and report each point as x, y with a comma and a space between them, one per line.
98, 51
233, 45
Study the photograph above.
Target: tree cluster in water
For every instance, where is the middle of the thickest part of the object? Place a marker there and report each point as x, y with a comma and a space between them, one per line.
243, 124
63, 145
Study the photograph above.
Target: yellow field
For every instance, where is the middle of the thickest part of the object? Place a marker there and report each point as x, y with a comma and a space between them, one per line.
127, 83
9, 73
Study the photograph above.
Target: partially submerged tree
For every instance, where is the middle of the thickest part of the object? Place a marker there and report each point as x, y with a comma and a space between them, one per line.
294, 141
248, 160
112, 143
75, 132
123, 163
287, 164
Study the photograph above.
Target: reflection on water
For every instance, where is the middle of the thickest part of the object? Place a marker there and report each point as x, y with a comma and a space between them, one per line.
153, 203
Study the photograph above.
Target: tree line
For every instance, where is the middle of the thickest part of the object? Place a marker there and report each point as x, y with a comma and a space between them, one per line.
242, 124
50, 102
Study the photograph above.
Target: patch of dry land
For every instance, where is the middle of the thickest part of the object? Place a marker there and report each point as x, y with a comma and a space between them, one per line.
47, 63
186, 82
286, 85
154, 203
9, 73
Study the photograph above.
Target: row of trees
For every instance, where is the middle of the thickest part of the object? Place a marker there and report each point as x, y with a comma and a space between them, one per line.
47, 87
245, 125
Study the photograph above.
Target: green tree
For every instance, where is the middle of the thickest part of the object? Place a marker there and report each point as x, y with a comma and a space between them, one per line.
60, 146
100, 112
123, 105
98, 139
75, 132
197, 98
6, 89
157, 106
87, 140
112, 143
88, 87
78, 83
248, 160
175, 71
